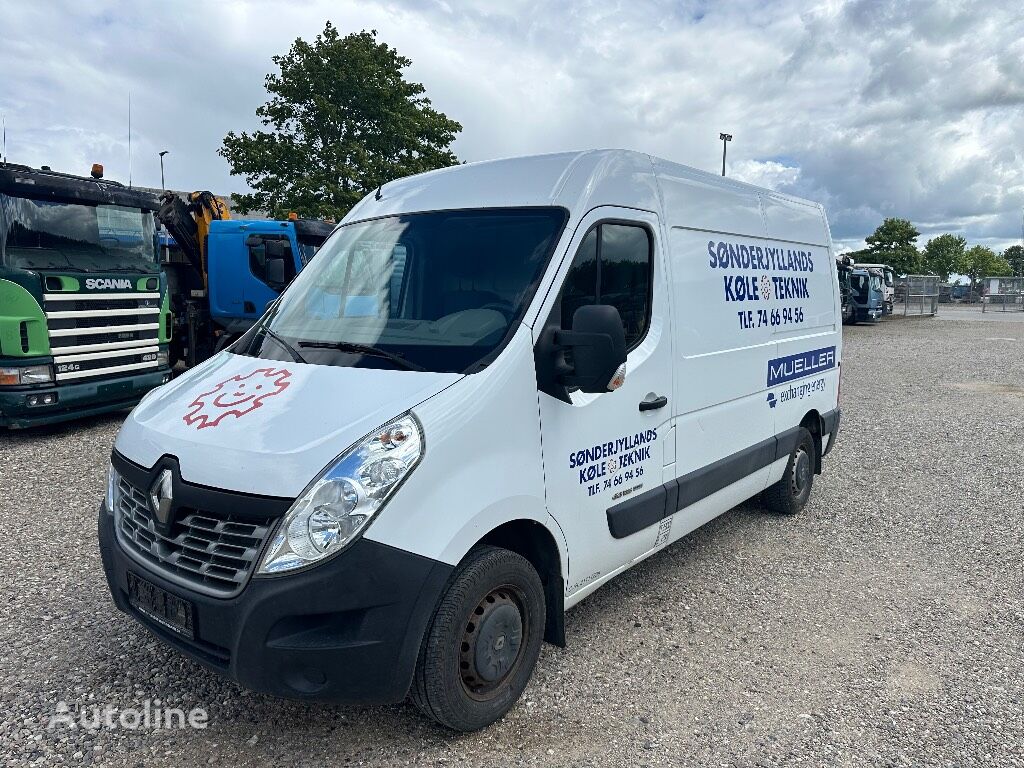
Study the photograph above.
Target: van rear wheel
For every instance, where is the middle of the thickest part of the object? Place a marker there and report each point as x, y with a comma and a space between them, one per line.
483, 641
790, 494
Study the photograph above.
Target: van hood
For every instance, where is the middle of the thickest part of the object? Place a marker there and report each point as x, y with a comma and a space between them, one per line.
263, 426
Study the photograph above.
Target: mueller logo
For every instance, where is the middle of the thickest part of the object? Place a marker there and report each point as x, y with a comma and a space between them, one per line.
237, 396
108, 284
783, 369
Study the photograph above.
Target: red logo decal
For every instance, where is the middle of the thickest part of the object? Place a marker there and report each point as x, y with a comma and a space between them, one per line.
236, 397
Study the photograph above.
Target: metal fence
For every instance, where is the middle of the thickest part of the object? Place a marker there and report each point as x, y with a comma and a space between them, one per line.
919, 295
1004, 294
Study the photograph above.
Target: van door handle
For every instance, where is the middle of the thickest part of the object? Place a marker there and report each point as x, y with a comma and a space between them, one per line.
652, 405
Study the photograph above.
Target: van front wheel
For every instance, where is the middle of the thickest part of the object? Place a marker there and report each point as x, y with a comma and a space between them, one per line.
790, 494
483, 642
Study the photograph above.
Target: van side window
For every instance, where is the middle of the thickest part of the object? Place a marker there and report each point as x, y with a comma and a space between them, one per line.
612, 266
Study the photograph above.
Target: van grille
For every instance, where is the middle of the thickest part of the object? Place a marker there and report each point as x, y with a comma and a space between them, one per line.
94, 335
211, 553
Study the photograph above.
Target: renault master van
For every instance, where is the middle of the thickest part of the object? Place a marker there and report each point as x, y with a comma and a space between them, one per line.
498, 386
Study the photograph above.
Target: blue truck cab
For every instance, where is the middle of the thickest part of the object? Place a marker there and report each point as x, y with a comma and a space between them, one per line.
867, 294
222, 272
250, 262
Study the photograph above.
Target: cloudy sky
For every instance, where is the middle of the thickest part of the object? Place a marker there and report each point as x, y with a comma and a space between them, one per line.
874, 108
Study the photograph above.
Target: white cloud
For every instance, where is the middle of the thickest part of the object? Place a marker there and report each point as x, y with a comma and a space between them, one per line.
770, 174
874, 108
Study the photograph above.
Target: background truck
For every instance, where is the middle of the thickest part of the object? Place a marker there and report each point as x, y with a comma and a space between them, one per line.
84, 314
844, 269
888, 275
222, 272
867, 293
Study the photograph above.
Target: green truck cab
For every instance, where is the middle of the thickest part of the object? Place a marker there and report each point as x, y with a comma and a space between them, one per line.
84, 314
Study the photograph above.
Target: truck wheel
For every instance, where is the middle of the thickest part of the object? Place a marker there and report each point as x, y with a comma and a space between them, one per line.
790, 494
483, 641
175, 352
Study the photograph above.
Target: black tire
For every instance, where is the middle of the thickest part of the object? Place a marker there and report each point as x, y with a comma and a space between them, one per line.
175, 352
790, 494
494, 595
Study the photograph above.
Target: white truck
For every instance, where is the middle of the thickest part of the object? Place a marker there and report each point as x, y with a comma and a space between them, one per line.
888, 277
498, 386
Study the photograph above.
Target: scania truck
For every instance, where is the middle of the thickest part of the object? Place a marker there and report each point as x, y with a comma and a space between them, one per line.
84, 315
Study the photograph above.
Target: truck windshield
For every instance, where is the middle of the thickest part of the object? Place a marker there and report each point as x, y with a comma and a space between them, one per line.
308, 246
39, 234
437, 291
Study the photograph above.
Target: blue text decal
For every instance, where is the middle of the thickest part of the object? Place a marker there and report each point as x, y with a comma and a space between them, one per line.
783, 369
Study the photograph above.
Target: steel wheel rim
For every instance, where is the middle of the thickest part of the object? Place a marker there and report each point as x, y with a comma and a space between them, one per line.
493, 641
801, 475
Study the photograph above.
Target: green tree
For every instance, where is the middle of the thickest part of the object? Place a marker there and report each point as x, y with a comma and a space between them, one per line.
944, 255
341, 121
1014, 256
895, 243
980, 261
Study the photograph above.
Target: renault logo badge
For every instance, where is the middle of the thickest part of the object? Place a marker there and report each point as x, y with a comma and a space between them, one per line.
160, 497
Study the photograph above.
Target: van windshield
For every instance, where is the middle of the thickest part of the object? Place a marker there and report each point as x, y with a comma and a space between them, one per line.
438, 291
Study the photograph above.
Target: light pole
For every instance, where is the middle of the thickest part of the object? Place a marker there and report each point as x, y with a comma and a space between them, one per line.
164, 186
726, 138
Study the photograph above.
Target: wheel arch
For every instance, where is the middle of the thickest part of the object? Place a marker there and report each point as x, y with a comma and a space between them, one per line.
812, 423
535, 542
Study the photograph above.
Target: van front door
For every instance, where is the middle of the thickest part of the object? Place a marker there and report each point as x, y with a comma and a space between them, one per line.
604, 454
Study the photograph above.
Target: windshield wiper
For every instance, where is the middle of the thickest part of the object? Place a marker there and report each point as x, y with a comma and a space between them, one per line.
364, 349
284, 345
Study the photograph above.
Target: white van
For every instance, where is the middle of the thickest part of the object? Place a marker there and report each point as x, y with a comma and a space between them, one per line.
496, 387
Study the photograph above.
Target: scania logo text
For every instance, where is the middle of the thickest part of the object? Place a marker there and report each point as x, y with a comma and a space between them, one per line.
108, 284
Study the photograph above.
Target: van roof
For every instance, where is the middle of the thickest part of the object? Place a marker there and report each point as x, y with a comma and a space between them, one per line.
585, 179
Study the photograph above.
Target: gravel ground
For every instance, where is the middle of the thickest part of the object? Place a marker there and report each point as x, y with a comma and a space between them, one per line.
883, 626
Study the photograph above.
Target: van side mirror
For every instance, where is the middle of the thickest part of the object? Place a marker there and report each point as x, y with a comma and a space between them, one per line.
598, 344
275, 271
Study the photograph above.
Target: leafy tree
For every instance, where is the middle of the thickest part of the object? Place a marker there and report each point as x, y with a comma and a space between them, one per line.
341, 121
1014, 256
980, 262
944, 255
895, 243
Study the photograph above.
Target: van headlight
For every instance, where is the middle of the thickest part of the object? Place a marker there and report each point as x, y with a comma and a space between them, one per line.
340, 503
112, 491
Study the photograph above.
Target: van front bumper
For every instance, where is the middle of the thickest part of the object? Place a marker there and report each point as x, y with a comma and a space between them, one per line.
75, 401
347, 630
